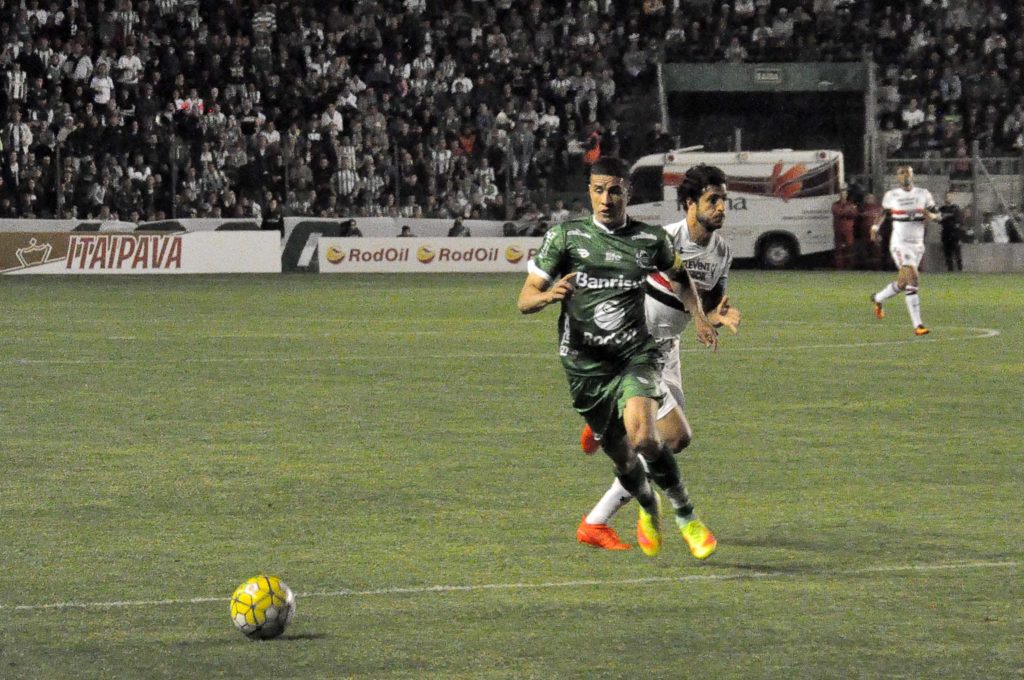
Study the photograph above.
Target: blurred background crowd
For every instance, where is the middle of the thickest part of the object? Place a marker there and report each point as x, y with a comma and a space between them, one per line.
145, 109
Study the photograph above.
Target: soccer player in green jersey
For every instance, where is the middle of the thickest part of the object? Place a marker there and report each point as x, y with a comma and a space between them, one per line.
595, 269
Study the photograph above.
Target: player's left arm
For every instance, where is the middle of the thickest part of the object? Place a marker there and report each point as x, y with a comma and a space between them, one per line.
686, 291
720, 312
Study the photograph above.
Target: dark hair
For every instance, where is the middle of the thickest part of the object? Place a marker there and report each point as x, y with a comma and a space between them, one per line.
696, 181
611, 166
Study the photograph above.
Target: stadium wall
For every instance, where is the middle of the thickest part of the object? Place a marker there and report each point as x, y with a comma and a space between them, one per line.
990, 258
236, 246
426, 255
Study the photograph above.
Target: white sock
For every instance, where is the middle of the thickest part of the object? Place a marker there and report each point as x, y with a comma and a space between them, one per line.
886, 293
914, 307
614, 498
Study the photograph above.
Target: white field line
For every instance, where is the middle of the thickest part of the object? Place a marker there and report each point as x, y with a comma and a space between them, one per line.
648, 580
975, 334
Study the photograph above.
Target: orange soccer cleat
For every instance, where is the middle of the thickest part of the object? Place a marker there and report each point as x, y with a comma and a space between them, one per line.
589, 441
600, 536
879, 312
921, 330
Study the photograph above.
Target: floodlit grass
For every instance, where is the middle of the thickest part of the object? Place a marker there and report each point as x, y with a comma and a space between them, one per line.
400, 450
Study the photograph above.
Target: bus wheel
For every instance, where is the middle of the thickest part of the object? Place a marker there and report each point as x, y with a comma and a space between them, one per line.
778, 252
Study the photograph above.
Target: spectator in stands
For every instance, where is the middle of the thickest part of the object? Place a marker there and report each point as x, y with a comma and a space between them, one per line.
892, 138
459, 228
17, 136
658, 140
912, 115
406, 231
253, 69
735, 52
1013, 226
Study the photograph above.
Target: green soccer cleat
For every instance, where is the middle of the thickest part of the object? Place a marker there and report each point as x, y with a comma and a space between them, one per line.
698, 537
648, 529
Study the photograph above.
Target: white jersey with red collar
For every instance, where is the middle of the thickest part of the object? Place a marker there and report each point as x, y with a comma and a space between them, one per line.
707, 266
908, 207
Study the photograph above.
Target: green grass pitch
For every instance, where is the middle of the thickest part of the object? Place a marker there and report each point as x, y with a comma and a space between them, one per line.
400, 450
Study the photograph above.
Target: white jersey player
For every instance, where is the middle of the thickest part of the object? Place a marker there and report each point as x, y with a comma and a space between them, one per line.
909, 208
708, 265
707, 259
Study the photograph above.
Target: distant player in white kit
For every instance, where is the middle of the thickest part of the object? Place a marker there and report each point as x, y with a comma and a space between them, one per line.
707, 259
910, 207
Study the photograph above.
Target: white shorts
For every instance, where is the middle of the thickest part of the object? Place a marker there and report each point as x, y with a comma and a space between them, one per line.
907, 254
671, 377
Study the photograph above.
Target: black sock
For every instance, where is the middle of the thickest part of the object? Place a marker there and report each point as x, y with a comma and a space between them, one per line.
635, 482
665, 473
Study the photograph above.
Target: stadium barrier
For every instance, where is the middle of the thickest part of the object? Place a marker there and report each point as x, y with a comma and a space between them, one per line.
168, 247
990, 258
301, 235
239, 246
425, 255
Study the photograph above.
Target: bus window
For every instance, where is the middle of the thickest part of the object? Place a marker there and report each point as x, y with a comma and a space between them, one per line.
648, 186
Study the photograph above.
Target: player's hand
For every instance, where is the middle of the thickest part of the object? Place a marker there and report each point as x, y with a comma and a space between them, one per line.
706, 333
725, 315
562, 289
874, 233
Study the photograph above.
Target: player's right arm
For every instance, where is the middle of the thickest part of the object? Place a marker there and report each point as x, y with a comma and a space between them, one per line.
886, 210
878, 224
537, 294
544, 283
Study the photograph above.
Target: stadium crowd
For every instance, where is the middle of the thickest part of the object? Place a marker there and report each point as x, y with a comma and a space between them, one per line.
140, 109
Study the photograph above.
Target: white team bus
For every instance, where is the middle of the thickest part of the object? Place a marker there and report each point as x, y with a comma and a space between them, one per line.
780, 202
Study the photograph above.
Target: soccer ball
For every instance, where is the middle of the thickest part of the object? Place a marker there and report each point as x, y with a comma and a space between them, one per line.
262, 607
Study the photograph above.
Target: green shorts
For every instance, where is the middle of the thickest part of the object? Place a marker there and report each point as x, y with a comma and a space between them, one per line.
601, 400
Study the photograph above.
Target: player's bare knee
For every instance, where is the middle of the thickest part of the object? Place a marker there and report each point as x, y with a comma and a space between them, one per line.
906, 277
681, 442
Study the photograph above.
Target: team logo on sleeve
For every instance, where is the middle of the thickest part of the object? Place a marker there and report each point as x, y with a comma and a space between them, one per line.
610, 315
545, 246
643, 259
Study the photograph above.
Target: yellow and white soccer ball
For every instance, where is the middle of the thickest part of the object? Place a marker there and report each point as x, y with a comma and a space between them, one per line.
262, 607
